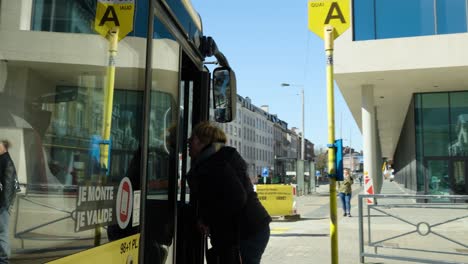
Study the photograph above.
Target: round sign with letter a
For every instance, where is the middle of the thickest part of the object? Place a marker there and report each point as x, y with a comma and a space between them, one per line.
124, 203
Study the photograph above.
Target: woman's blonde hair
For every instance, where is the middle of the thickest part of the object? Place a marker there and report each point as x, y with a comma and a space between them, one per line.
5, 143
208, 133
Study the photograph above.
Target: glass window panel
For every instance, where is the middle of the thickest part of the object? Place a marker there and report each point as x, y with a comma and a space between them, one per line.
459, 123
419, 142
438, 177
451, 16
363, 19
164, 113
52, 110
64, 16
190, 26
58, 112
435, 119
459, 174
77, 16
403, 18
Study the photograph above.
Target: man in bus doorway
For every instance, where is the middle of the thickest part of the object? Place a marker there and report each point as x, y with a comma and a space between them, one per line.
228, 208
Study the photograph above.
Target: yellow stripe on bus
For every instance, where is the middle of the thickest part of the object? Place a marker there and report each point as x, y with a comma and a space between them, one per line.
123, 251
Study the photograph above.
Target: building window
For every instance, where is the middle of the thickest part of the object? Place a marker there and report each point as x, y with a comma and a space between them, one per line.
415, 19
459, 124
441, 121
451, 16
380, 19
435, 113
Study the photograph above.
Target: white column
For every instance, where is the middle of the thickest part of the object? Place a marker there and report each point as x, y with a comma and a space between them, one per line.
16, 15
368, 132
378, 159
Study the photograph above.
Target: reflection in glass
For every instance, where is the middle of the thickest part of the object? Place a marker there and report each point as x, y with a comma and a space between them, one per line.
459, 123
403, 18
435, 115
51, 108
442, 133
451, 16
419, 143
162, 142
64, 16
379, 19
459, 172
437, 172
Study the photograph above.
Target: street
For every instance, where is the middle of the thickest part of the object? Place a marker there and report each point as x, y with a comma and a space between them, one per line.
403, 231
307, 240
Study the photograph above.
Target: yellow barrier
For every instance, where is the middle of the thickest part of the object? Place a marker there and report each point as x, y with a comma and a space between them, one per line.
277, 199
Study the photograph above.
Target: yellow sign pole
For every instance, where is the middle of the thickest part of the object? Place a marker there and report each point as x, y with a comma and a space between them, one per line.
334, 15
109, 94
113, 38
329, 40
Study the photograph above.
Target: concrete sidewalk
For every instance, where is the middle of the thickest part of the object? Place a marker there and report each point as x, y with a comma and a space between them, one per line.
308, 239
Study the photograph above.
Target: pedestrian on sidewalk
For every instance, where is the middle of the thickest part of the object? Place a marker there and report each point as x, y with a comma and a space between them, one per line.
8, 191
345, 190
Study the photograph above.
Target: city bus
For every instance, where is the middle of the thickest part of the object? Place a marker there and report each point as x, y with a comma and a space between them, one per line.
98, 98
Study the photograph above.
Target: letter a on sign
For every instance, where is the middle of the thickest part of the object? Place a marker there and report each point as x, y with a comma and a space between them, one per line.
334, 7
114, 13
328, 12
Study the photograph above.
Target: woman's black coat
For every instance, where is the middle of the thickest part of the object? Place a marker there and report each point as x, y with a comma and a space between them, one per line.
225, 198
7, 179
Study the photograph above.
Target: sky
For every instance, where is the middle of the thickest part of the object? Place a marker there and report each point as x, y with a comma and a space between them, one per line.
268, 43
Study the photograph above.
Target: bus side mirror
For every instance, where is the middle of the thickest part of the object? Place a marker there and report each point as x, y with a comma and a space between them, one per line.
224, 94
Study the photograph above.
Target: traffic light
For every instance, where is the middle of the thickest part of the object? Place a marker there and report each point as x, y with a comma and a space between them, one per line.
339, 159
338, 149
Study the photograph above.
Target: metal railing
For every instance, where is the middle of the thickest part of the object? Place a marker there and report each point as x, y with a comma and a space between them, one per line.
415, 228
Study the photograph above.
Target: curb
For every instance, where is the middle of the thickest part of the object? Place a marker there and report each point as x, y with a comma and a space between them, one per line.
286, 218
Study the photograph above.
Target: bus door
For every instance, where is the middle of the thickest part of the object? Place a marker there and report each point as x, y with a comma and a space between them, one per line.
193, 95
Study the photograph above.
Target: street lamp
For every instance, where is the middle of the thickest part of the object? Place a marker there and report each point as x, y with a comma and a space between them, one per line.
303, 127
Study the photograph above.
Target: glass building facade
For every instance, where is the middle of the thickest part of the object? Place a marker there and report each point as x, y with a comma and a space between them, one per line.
382, 19
442, 141
438, 163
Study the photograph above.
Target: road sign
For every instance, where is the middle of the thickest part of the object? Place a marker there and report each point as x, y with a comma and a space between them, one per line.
265, 172
328, 12
114, 13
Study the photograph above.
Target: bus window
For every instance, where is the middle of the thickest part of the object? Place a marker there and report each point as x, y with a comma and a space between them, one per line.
82, 112
52, 105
